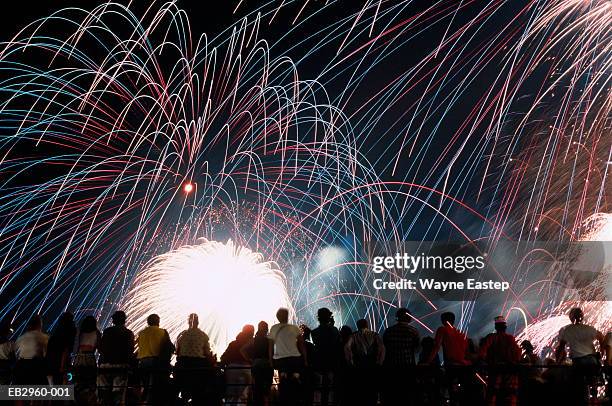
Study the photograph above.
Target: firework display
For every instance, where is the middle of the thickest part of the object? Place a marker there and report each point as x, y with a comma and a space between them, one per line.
145, 163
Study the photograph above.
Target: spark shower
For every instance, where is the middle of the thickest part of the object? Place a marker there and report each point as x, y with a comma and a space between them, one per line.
299, 131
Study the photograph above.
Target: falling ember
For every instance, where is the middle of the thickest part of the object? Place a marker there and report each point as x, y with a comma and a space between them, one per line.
228, 286
188, 188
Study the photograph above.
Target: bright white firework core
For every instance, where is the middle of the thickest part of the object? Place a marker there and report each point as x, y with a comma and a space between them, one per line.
228, 286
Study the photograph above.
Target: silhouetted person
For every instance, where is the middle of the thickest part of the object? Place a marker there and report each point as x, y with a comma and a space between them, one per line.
343, 375
580, 337
501, 350
193, 363
452, 341
365, 352
31, 349
259, 352
429, 375
154, 352
454, 346
84, 363
289, 356
116, 356
59, 349
7, 352
238, 372
401, 344
530, 382
326, 339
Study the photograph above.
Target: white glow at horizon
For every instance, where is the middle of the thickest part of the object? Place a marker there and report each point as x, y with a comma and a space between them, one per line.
228, 286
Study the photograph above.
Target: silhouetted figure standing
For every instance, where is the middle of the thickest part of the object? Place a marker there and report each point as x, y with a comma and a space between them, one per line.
326, 339
365, 352
84, 363
530, 383
580, 338
31, 349
238, 372
154, 352
194, 376
61, 344
289, 357
343, 378
429, 375
259, 352
501, 350
454, 347
401, 344
7, 352
116, 356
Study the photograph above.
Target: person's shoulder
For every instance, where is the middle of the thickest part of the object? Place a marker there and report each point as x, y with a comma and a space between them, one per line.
592, 328
565, 328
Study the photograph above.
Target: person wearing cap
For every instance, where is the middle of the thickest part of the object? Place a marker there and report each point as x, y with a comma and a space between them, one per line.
401, 344
327, 346
498, 351
580, 338
193, 357
116, 354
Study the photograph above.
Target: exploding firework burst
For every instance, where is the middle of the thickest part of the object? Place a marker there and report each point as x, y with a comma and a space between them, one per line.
128, 138
228, 286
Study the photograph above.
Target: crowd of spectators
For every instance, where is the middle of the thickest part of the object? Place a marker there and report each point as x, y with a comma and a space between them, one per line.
293, 365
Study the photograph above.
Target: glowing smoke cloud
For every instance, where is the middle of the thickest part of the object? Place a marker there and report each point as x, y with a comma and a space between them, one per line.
225, 284
544, 331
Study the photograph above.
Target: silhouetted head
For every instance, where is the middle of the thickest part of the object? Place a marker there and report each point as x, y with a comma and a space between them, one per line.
89, 324
324, 315
262, 328
35, 323
403, 315
427, 344
153, 320
282, 315
119, 318
448, 318
527, 346
65, 326
576, 315
345, 332
248, 330
193, 320
361, 324
500, 324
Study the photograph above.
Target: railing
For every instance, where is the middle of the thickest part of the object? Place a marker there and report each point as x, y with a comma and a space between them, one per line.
215, 388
